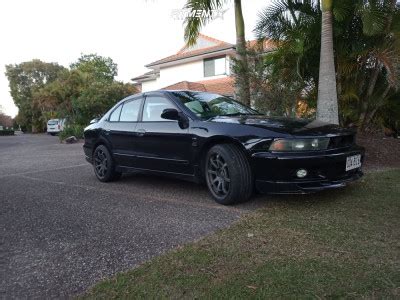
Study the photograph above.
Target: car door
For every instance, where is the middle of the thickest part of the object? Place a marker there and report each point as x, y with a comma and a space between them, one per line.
162, 145
120, 131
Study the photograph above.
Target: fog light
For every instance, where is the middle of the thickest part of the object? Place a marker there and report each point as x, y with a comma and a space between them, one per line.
301, 173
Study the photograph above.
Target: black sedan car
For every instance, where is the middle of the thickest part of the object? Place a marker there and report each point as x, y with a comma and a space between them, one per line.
207, 137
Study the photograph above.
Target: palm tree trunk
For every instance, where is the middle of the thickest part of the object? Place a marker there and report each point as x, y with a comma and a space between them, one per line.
327, 105
242, 85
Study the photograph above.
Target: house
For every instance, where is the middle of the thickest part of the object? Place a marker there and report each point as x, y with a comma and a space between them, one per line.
205, 66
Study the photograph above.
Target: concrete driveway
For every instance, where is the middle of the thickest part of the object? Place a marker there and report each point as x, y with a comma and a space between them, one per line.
62, 230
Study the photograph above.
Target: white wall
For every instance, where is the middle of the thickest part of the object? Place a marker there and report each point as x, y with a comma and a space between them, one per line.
189, 71
150, 85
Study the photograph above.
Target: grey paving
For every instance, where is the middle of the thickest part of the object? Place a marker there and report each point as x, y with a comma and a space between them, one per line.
62, 230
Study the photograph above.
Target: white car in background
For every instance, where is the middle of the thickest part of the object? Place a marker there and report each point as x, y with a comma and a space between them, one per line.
55, 126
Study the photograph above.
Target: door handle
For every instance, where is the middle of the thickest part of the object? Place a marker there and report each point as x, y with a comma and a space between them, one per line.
140, 132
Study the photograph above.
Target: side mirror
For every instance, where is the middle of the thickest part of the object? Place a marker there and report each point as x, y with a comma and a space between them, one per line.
170, 114
95, 120
173, 114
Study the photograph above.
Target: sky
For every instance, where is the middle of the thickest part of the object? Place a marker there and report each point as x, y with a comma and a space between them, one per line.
131, 32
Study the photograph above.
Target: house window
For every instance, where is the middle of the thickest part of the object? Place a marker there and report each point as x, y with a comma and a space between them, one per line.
214, 66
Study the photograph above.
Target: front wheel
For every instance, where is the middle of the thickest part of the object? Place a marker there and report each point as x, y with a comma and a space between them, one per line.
228, 174
103, 164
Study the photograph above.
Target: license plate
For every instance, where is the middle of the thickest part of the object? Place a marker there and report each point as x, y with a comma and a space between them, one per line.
353, 162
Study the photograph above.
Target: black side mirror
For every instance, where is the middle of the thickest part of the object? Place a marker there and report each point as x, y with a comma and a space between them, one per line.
173, 114
170, 114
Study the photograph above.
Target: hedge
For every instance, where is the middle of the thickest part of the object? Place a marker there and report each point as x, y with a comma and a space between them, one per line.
7, 132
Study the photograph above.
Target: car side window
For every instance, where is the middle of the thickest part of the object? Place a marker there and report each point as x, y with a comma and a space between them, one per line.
153, 108
114, 117
130, 111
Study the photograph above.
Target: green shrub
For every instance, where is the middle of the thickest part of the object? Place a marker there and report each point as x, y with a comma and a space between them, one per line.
72, 130
6, 132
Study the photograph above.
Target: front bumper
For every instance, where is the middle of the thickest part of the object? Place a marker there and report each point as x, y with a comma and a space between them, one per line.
276, 172
304, 187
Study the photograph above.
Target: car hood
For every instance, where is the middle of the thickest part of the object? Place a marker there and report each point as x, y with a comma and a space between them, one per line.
300, 127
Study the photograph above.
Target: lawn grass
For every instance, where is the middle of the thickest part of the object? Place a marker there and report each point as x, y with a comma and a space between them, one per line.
336, 244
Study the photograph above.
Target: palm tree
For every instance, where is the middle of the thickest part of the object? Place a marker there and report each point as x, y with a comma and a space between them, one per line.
327, 104
193, 27
367, 53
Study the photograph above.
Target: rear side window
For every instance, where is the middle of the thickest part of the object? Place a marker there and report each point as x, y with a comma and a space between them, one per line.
114, 117
130, 111
153, 108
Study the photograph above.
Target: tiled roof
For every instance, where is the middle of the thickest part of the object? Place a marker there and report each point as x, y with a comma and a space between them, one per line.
264, 46
188, 54
210, 40
147, 75
186, 85
224, 86
183, 53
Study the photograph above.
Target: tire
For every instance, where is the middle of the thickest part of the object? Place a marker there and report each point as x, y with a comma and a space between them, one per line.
228, 174
103, 165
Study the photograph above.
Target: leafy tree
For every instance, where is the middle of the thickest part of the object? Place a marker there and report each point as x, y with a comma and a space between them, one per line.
5, 120
43, 91
55, 98
193, 26
275, 86
24, 80
97, 97
98, 67
84, 92
96, 90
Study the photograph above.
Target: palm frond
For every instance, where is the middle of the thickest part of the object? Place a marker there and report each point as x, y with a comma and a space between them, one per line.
193, 25
272, 20
374, 18
341, 10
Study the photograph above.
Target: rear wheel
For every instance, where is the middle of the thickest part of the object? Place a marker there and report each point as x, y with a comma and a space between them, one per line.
228, 174
104, 166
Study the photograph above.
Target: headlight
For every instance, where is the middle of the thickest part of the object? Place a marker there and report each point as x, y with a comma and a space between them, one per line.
299, 144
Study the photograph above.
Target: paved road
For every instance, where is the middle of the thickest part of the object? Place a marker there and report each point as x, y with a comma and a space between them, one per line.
62, 230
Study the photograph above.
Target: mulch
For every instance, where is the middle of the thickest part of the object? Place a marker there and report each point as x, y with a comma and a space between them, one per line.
381, 152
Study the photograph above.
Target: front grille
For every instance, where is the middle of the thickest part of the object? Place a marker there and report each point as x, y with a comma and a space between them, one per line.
341, 141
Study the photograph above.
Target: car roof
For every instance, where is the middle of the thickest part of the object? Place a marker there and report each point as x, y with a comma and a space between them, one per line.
164, 92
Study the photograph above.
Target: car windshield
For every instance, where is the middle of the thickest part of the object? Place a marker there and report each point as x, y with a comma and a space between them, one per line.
208, 105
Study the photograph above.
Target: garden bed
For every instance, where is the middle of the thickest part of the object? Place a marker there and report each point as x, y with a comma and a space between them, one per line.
381, 152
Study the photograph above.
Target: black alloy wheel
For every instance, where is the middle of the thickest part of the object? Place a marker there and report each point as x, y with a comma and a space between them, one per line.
100, 163
217, 170
228, 174
103, 164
